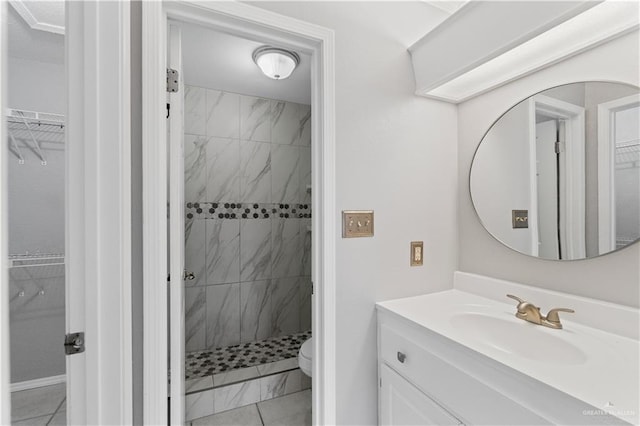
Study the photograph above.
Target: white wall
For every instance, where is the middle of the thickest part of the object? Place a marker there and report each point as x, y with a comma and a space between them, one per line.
36, 86
613, 277
396, 154
36, 192
506, 144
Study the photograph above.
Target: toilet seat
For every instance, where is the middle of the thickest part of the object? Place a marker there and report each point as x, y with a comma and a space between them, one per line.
305, 355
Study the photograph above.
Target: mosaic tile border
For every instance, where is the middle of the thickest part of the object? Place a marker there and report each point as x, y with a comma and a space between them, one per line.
232, 210
210, 362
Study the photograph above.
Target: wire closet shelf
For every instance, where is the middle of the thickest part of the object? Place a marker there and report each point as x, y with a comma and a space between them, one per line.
29, 260
33, 131
628, 154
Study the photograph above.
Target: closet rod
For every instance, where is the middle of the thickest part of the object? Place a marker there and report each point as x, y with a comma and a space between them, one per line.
35, 265
38, 123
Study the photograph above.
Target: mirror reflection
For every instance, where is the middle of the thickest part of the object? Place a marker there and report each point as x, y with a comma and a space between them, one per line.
558, 175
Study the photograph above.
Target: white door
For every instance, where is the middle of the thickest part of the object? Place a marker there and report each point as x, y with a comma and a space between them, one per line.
547, 177
176, 232
403, 404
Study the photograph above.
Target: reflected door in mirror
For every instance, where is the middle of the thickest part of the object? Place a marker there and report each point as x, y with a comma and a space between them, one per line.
570, 156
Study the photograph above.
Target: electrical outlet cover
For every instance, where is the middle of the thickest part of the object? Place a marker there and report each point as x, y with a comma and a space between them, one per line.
417, 253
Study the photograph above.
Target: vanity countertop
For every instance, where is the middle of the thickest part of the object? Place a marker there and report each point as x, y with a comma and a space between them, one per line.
595, 366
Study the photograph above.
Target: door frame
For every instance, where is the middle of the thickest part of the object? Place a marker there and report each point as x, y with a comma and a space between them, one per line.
98, 211
255, 23
606, 181
573, 197
176, 231
5, 366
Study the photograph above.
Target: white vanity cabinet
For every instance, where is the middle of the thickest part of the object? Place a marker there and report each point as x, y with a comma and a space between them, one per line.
427, 379
401, 403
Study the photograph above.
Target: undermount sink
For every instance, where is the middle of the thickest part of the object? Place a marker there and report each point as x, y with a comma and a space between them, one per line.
520, 338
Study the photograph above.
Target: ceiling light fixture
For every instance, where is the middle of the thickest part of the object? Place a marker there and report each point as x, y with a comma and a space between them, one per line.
276, 63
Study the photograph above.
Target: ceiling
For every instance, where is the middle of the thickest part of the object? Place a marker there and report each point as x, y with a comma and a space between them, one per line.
511, 40
41, 15
210, 59
37, 43
221, 61
449, 6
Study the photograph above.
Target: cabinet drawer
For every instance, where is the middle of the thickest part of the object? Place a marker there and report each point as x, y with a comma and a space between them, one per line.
468, 399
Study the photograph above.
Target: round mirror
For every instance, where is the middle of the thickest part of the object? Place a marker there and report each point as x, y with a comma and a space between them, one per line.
558, 175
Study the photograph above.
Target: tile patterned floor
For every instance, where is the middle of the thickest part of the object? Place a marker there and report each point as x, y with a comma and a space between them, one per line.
274, 360
39, 406
208, 363
293, 410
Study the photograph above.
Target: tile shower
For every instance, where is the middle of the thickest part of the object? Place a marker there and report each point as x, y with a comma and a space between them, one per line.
248, 242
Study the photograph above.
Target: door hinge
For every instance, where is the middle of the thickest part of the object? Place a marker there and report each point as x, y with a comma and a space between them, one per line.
559, 147
186, 275
74, 343
172, 80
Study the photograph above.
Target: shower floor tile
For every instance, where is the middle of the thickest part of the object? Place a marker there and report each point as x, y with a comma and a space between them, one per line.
221, 360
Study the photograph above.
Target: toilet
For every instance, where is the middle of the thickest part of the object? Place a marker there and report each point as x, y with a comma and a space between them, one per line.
304, 356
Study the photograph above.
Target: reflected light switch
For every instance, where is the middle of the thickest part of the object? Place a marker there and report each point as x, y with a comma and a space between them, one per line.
519, 219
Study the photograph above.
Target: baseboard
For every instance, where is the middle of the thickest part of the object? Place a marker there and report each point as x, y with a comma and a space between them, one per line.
38, 383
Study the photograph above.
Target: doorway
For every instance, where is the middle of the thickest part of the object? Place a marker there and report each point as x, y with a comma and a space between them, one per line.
97, 197
36, 125
618, 172
271, 29
247, 203
557, 153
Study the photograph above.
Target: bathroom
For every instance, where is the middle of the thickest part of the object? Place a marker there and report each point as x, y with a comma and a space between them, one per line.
386, 148
247, 193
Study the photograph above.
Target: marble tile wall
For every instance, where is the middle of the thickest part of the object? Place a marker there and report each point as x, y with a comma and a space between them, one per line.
236, 388
247, 193
250, 391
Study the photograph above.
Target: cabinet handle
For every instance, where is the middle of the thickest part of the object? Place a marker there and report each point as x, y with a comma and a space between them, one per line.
401, 357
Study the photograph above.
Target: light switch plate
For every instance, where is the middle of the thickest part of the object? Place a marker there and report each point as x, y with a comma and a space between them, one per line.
417, 253
519, 219
357, 223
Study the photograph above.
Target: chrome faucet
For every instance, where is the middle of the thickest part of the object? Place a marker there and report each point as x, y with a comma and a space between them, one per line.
529, 312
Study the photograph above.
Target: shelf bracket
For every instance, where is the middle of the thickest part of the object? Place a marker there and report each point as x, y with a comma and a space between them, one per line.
16, 149
43, 160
